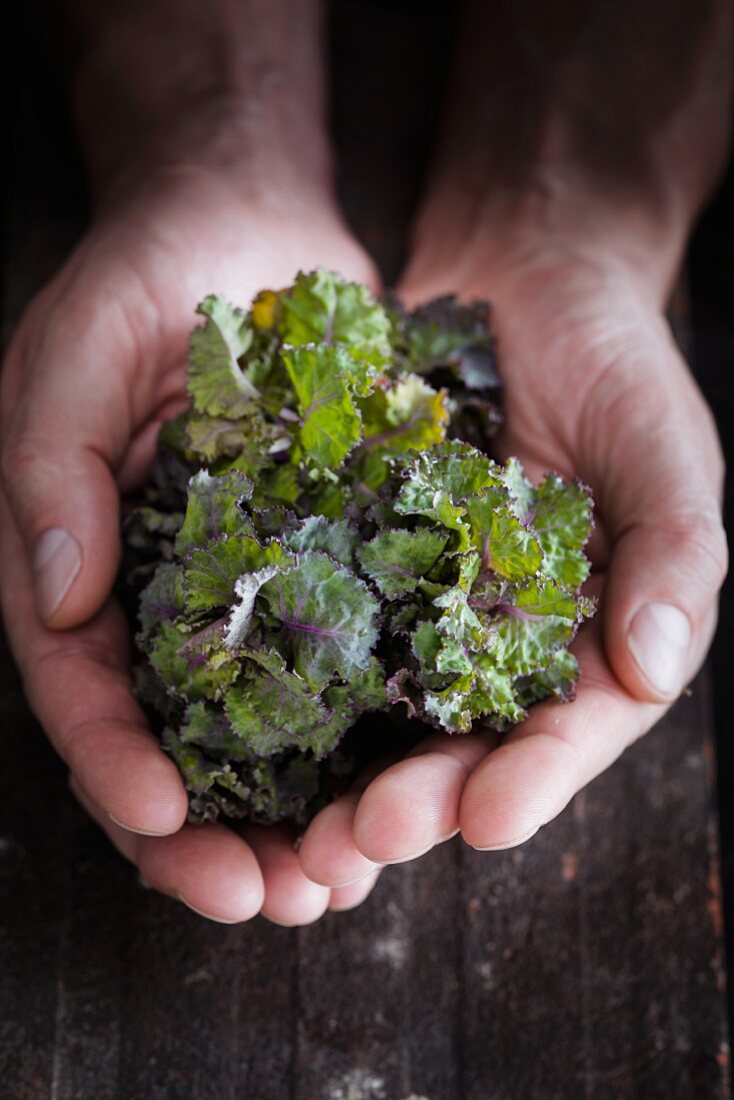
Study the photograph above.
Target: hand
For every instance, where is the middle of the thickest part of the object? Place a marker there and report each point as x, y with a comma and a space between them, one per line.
95, 366
596, 388
566, 196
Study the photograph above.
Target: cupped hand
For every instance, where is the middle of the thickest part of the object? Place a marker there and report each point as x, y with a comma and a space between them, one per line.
97, 363
595, 388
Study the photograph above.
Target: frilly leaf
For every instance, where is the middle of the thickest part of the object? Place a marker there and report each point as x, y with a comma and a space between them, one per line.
327, 618
322, 308
397, 560
347, 548
506, 547
332, 426
272, 709
211, 573
213, 509
528, 626
216, 382
337, 538
561, 516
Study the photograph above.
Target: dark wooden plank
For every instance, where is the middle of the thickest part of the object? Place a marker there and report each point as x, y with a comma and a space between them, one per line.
34, 829
207, 1010
379, 990
93, 934
593, 964
523, 1025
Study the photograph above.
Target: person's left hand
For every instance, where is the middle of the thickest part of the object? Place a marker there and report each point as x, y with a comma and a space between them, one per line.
96, 364
594, 388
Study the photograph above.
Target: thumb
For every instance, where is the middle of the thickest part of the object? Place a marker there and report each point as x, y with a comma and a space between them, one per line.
61, 435
661, 471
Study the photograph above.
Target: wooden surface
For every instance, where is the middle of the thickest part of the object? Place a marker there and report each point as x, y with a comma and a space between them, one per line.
587, 963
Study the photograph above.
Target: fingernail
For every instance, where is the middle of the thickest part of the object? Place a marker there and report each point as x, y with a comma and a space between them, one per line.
352, 881
209, 916
508, 843
419, 853
134, 828
403, 859
659, 638
57, 559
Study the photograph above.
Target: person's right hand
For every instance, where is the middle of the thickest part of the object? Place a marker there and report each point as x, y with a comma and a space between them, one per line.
97, 363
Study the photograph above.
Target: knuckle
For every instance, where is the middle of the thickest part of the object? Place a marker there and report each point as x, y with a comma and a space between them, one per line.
700, 543
573, 750
20, 462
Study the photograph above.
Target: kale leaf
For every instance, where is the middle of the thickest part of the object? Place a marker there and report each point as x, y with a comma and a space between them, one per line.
325, 536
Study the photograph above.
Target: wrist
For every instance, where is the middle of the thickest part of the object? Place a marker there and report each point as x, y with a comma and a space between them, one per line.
504, 244
232, 90
220, 144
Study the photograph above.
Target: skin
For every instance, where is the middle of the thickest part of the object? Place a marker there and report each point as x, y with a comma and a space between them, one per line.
556, 195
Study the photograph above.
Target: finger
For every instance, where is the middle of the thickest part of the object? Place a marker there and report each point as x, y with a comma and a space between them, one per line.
328, 853
78, 686
414, 805
290, 897
528, 780
659, 466
64, 429
344, 898
207, 867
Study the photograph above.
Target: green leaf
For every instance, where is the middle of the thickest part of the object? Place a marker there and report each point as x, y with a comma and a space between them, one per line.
459, 620
494, 699
162, 598
194, 664
210, 438
540, 618
409, 415
327, 617
522, 494
251, 440
207, 725
562, 520
216, 383
557, 679
211, 573
323, 308
275, 521
264, 791
273, 709
332, 426
396, 560
444, 333
281, 485
213, 509
214, 787
240, 620
506, 547
337, 538
367, 688
454, 469
450, 706
426, 644
482, 693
